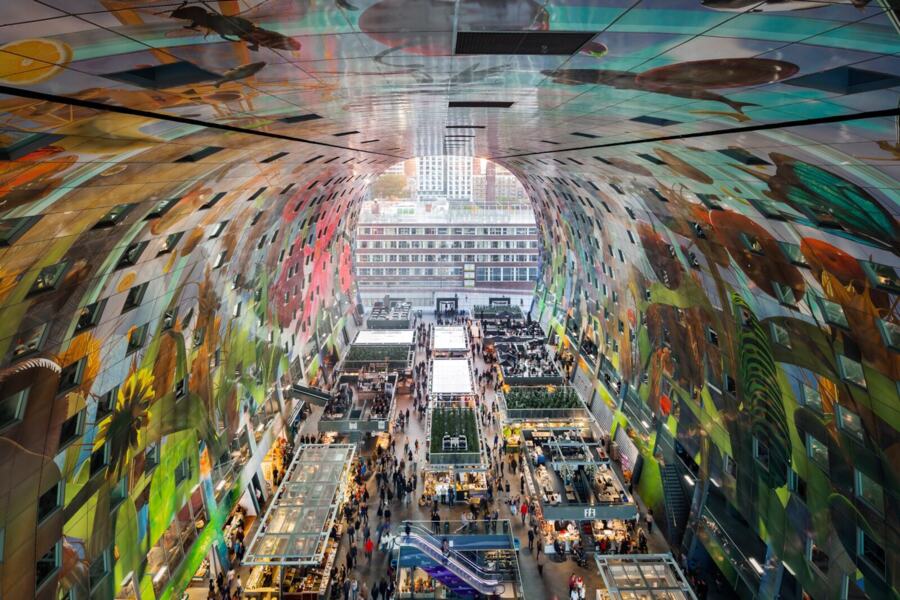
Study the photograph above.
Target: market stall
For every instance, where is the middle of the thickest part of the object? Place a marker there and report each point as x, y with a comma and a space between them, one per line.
451, 379
385, 337
392, 314
541, 402
581, 502
642, 576
364, 402
450, 341
526, 362
393, 357
293, 549
454, 437
452, 485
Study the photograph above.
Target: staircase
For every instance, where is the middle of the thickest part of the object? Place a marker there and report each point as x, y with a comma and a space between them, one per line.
677, 504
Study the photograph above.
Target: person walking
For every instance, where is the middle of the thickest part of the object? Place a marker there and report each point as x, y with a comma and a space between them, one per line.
530, 540
649, 521
524, 511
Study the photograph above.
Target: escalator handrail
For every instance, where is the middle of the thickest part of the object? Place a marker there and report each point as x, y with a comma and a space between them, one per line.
428, 535
451, 562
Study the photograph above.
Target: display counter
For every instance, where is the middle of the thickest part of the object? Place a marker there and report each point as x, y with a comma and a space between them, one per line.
467, 485
300, 583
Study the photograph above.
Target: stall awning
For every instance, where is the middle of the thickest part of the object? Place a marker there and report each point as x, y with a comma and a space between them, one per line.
651, 576
451, 376
295, 528
385, 337
450, 338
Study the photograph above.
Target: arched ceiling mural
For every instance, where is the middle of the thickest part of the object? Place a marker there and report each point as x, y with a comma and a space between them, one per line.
717, 186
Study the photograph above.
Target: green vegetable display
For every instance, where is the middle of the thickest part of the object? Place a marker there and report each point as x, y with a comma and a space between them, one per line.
360, 353
453, 421
497, 312
519, 398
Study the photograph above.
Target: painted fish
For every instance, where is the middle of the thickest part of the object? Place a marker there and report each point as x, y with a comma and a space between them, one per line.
240, 72
774, 5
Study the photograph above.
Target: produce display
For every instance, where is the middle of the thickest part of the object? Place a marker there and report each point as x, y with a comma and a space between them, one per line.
358, 353
519, 398
497, 312
453, 422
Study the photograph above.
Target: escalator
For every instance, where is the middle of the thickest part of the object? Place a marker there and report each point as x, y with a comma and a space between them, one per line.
455, 571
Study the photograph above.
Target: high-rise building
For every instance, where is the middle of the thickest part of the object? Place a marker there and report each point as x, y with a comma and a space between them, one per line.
444, 177
423, 250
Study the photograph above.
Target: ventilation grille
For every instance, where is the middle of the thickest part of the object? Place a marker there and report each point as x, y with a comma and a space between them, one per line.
465, 126
846, 80
479, 104
164, 76
343, 133
546, 43
655, 121
200, 154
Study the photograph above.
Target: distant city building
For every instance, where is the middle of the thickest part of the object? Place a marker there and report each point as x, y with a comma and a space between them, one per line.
444, 177
421, 251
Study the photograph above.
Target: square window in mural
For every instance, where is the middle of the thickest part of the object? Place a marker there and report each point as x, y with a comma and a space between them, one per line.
106, 403
12, 408
71, 429
99, 459
850, 423
49, 501
793, 254
131, 255
812, 398
137, 337
29, 342
114, 216
883, 276
832, 313
780, 335
12, 229
784, 294
99, 568
90, 315
890, 332
817, 451
851, 370
161, 208
869, 491
170, 242
817, 556
871, 551
71, 374
48, 278
135, 297
47, 565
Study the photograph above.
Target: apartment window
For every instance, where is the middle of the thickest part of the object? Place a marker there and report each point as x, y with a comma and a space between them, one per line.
221, 260
181, 388
850, 423
47, 565
168, 320
71, 429
12, 229
817, 451
870, 551
812, 398
12, 408
851, 370
793, 254
182, 471
170, 242
106, 403
99, 459
49, 502
137, 337
817, 556
118, 493
48, 278
114, 216
217, 229
712, 336
99, 568
833, 313
761, 452
212, 201
70, 376
869, 491
134, 297
151, 457
784, 294
131, 255
780, 335
161, 208
891, 334
752, 243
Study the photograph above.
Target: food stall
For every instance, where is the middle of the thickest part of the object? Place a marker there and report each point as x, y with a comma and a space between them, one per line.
390, 314
294, 548
580, 498
363, 403
642, 576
